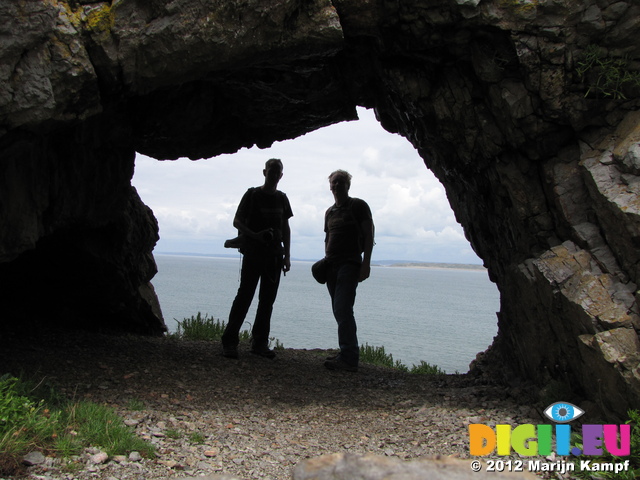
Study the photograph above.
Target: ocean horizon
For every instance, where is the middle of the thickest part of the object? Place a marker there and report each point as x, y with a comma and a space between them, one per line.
386, 263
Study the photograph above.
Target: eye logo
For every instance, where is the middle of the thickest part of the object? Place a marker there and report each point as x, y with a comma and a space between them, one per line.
563, 412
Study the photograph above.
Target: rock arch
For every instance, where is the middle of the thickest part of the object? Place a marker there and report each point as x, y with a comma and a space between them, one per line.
504, 100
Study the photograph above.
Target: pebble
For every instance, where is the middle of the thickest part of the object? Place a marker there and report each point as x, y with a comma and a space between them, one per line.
99, 458
33, 458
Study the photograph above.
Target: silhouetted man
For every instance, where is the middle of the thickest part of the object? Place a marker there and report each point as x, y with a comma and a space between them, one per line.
349, 234
262, 220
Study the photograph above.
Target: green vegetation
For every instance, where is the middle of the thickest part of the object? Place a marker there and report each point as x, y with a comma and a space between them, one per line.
605, 75
634, 459
201, 327
30, 421
135, 405
100, 426
197, 438
377, 356
426, 369
204, 327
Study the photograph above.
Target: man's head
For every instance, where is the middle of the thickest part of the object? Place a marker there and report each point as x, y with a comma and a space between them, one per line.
273, 161
273, 170
340, 179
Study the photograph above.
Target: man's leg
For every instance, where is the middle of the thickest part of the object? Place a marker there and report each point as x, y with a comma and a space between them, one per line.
249, 276
269, 282
344, 296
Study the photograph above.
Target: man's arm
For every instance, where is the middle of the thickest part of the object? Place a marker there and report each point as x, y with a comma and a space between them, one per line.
242, 228
242, 214
286, 242
368, 230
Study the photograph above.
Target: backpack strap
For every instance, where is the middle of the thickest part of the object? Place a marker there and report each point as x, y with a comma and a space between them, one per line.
250, 210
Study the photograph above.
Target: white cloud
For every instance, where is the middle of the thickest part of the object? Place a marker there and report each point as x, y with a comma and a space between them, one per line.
195, 201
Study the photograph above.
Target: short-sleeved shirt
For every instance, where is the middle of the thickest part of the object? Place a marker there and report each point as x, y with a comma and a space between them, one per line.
260, 210
343, 226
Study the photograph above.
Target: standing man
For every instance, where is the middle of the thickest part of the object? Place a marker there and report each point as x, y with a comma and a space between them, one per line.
349, 234
262, 221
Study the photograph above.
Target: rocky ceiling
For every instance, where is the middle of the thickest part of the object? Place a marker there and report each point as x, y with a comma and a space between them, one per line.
526, 110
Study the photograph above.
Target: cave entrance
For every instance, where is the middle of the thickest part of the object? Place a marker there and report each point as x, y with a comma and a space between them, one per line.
415, 313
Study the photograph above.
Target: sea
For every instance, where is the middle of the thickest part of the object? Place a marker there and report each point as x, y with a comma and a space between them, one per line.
442, 316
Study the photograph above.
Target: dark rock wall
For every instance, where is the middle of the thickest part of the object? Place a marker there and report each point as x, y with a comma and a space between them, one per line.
76, 240
505, 100
533, 163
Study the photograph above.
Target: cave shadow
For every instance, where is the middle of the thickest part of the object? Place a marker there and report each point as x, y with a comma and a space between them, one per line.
165, 373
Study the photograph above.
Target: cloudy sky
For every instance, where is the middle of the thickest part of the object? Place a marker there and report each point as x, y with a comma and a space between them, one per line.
195, 201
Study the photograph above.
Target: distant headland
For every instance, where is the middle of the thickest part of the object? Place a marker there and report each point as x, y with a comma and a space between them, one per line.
461, 266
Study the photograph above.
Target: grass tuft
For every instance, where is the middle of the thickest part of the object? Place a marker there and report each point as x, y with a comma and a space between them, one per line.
378, 356
100, 426
199, 327
135, 405
197, 438
426, 369
605, 75
204, 327
56, 427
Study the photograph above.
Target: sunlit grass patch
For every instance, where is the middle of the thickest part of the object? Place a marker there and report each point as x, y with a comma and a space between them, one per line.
56, 426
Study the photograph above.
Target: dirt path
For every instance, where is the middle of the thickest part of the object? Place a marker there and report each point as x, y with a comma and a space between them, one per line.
253, 417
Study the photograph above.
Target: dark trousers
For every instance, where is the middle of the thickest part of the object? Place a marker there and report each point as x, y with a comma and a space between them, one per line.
267, 271
342, 281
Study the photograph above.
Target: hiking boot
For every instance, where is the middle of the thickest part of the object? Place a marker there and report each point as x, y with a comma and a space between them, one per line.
339, 364
263, 351
230, 351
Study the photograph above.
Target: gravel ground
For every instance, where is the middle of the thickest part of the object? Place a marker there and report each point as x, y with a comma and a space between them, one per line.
252, 417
